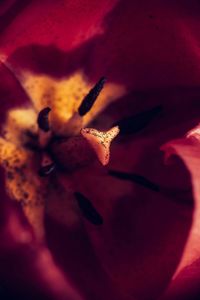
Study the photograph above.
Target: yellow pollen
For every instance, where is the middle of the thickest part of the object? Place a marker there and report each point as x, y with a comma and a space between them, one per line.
65, 96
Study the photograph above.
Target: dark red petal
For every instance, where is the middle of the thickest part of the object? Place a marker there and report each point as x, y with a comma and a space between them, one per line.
9, 10
64, 24
149, 44
141, 45
186, 285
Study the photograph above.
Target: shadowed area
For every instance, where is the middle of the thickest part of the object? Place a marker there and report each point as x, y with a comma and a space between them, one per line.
13, 10
74, 254
178, 111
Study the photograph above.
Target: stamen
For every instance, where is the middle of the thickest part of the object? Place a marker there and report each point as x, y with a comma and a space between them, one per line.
136, 179
100, 141
174, 194
88, 210
91, 97
43, 119
137, 122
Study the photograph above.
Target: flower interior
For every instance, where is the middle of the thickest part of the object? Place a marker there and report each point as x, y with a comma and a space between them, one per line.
44, 144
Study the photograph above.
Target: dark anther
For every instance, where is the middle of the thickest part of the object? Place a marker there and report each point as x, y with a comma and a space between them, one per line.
137, 122
136, 179
91, 97
46, 170
88, 210
43, 120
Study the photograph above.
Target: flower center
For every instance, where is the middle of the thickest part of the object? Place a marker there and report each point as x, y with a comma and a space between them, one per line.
32, 148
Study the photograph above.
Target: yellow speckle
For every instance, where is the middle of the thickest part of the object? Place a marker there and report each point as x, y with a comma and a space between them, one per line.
65, 96
22, 182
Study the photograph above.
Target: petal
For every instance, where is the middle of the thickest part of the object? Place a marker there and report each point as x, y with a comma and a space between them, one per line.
62, 23
70, 245
149, 45
184, 284
12, 94
34, 274
142, 46
173, 37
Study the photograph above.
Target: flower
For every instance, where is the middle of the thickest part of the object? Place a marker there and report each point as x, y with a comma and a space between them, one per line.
148, 243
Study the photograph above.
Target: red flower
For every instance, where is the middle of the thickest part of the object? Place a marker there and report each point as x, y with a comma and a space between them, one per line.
147, 246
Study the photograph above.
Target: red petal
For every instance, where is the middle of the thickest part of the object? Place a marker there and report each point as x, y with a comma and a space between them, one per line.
142, 45
64, 24
184, 285
150, 44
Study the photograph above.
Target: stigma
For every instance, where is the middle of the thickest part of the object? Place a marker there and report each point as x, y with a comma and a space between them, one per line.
100, 141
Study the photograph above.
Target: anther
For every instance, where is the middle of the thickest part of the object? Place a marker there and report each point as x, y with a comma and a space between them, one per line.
88, 210
91, 97
137, 122
44, 133
141, 180
43, 119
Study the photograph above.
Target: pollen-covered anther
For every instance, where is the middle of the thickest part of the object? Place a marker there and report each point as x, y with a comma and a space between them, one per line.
100, 142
